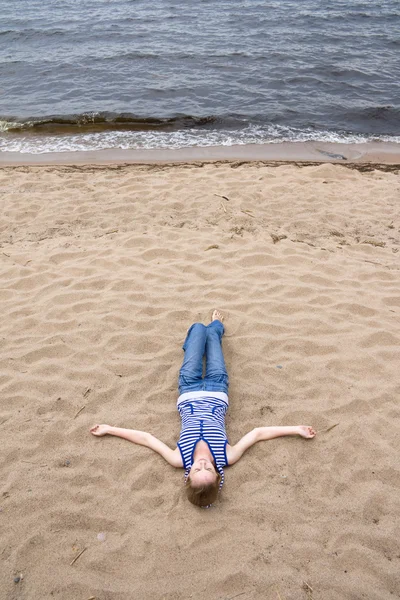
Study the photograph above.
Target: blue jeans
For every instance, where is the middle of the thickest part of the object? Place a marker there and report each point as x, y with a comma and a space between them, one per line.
202, 340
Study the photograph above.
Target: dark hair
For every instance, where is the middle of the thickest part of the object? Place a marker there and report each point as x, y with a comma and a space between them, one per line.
203, 495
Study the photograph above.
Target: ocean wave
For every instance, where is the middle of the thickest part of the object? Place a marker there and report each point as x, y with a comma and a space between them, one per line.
387, 113
181, 138
32, 33
383, 122
103, 121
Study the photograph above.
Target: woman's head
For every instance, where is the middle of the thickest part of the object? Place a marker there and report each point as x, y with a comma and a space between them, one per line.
202, 484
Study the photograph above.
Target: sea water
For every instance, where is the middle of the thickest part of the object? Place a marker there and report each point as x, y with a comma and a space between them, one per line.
96, 74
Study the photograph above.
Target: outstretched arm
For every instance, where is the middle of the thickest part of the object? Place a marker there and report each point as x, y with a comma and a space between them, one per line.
173, 457
234, 453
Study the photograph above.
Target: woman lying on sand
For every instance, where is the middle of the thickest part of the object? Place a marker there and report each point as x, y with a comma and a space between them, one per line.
203, 449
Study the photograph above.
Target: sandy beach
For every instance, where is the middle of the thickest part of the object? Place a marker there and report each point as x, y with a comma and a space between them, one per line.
377, 152
103, 268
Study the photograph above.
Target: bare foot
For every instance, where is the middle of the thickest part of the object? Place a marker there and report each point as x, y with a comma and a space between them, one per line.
217, 316
306, 431
100, 430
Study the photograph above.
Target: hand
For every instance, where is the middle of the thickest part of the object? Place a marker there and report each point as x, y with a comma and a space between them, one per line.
306, 431
100, 430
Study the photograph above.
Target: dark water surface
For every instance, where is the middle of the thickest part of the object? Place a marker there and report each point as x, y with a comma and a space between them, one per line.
92, 74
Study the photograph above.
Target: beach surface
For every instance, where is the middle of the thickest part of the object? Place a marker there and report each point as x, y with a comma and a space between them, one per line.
103, 268
303, 152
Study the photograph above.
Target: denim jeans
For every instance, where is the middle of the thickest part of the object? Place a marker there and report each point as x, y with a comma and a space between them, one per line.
202, 340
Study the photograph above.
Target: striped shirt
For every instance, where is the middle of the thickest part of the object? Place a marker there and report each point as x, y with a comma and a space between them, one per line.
203, 419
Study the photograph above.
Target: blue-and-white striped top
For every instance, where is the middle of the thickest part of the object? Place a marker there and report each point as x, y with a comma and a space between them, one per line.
203, 419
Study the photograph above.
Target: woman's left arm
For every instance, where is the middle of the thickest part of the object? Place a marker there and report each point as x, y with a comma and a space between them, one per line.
234, 453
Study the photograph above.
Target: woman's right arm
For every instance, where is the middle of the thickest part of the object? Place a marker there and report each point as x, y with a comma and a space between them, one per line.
142, 438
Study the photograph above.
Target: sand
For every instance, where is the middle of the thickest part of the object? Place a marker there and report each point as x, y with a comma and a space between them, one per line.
103, 268
377, 152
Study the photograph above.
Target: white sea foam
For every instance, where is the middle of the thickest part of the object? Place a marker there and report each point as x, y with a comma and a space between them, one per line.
183, 138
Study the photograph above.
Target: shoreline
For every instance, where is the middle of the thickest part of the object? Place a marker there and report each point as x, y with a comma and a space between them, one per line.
371, 153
